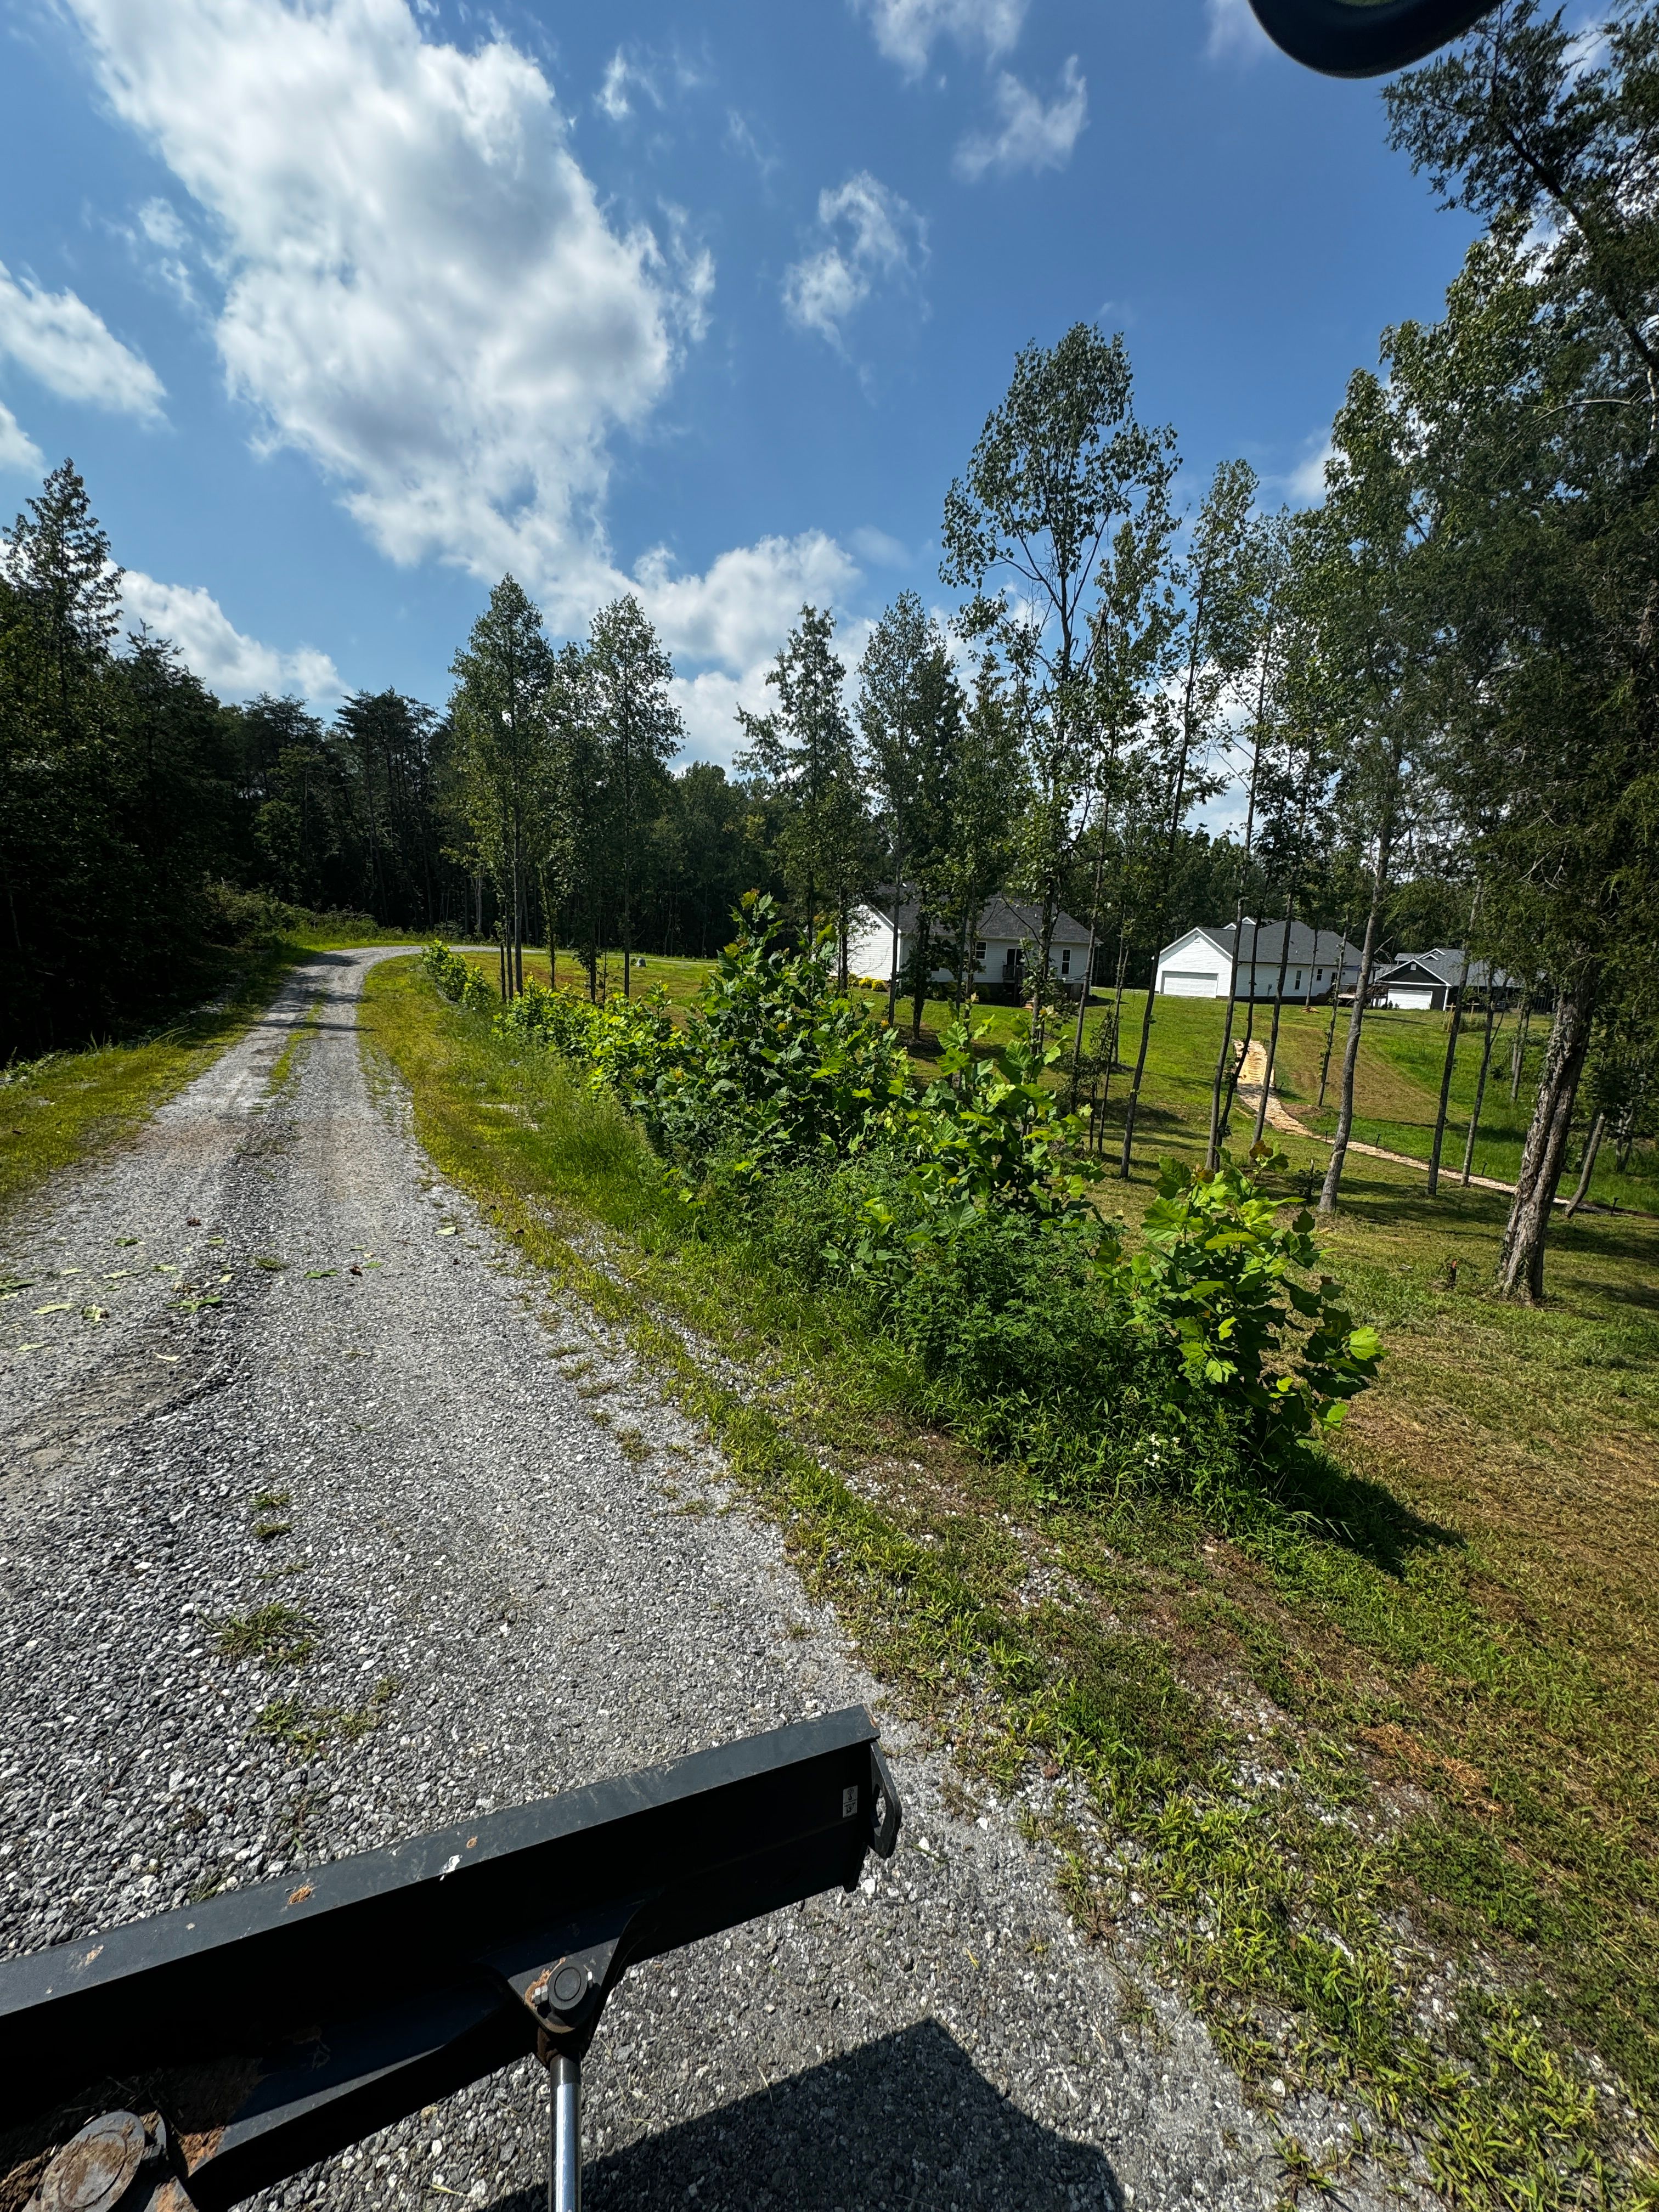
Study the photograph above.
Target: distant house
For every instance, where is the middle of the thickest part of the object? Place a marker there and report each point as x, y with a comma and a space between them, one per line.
1425, 980
1004, 941
1200, 965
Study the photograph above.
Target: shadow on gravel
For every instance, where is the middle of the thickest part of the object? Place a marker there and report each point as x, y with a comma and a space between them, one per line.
908, 2123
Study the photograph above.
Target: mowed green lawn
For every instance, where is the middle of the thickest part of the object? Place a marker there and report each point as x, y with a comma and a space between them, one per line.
1396, 1089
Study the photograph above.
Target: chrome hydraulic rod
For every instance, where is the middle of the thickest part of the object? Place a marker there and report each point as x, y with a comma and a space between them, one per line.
564, 2173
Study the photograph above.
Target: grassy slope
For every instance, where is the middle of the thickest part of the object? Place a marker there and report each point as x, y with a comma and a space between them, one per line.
1456, 1650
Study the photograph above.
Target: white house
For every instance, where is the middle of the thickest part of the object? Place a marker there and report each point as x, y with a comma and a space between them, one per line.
1200, 965
1426, 980
1004, 941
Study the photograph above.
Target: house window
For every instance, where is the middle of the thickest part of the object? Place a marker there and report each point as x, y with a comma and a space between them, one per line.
1066, 963
979, 952
1297, 986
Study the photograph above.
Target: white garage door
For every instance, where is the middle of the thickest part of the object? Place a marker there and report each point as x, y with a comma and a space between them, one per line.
1403, 995
1190, 983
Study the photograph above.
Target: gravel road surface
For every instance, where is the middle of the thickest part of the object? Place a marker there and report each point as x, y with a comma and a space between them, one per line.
264, 1355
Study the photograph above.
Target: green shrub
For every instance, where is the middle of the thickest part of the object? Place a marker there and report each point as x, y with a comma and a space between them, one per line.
458, 979
1216, 1277
957, 1225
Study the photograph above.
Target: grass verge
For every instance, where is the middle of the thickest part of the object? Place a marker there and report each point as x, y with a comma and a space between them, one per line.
1370, 1769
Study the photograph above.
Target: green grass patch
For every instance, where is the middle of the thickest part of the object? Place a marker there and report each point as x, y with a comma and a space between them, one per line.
304, 1731
1381, 1744
277, 1635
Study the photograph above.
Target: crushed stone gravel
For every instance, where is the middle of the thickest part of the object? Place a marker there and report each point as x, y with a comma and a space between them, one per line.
264, 1355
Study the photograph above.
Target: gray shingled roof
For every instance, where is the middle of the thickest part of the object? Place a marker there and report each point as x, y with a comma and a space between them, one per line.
1261, 941
1444, 963
1001, 919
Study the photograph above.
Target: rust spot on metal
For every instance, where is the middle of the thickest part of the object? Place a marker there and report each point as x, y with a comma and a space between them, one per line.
471, 1841
299, 1896
96, 1952
92, 2171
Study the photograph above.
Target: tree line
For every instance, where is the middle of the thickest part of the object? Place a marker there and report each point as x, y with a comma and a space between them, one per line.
1432, 693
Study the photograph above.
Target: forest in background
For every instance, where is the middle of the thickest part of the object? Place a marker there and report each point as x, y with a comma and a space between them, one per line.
144, 821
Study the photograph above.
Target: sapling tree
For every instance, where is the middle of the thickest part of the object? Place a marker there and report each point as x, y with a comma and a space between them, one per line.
986, 798
802, 753
638, 731
1135, 623
911, 718
1059, 465
503, 758
1371, 599
1216, 581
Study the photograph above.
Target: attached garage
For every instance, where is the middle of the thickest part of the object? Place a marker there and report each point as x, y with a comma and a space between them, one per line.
1189, 983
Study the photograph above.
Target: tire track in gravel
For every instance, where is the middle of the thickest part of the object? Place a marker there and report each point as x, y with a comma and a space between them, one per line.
506, 1599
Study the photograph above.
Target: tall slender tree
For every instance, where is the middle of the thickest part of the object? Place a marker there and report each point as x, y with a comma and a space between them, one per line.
802, 755
503, 755
1533, 410
890, 716
639, 730
1061, 462
1217, 586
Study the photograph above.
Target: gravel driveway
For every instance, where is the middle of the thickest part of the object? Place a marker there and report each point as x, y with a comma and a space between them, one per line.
263, 1356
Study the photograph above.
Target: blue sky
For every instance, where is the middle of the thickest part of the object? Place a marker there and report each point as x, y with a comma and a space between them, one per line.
343, 307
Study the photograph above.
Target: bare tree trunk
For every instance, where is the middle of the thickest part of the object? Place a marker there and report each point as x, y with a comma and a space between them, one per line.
1213, 1150
1088, 957
1233, 1072
1116, 1031
1521, 1263
1140, 1069
1480, 1086
1592, 1146
1336, 999
893, 963
1278, 1003
1449, 1062
1355, 1021
1520, 1052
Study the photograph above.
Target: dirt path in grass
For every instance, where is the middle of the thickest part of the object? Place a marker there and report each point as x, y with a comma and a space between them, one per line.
262, 1355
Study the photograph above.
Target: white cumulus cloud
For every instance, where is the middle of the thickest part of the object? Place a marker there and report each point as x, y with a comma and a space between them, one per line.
1306, 482
18, 451
737, 614
67, 346
420, 291
872, 233
412, 282
740, 607
906, 30
1031, 133
212, 647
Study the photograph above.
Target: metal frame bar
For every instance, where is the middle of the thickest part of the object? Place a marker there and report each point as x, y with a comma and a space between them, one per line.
272, 2027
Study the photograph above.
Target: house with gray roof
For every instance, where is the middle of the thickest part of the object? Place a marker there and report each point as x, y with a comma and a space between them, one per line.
1006, 941
1199, 963
1427, 980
